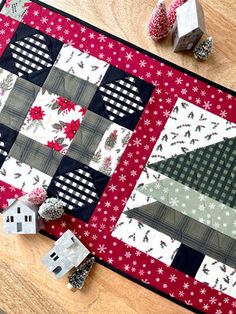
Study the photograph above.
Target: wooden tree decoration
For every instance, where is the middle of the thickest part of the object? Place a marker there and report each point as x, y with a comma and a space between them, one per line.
158, 26
77, 278
171, 12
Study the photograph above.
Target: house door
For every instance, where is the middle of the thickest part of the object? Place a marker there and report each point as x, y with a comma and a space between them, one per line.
19, 227
57, 270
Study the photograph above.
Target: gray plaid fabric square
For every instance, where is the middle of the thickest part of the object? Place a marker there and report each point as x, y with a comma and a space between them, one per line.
88, 137
210, 170
35, 155
18, 104
187, 230
70, 87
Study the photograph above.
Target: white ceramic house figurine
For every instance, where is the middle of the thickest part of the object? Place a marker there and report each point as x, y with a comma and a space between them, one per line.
189, 26
68, 252
21, 217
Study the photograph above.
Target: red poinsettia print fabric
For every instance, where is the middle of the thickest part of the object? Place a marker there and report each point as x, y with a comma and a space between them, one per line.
53, 121
170, 84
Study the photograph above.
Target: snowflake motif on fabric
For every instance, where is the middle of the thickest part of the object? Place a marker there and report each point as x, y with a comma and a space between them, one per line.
31, 54
189, 202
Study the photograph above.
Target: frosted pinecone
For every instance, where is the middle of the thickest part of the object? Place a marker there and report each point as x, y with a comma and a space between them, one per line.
52, 209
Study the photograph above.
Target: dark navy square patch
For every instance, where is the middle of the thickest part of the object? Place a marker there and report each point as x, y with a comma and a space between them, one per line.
121, 97
79, 186
30, 54
7, 138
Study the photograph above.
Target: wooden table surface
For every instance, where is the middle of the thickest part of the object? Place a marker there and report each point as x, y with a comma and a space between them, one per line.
25, 285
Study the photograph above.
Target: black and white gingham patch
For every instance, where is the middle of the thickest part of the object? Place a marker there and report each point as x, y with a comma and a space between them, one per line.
2, 147
76, 188
31, 54
121, 98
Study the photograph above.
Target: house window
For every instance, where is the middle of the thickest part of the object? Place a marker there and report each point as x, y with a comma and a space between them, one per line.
19, 227
28, 218
11, 219
18, 210
54, 256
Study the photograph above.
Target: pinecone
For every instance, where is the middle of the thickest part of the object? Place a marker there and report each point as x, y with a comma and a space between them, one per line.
52, 209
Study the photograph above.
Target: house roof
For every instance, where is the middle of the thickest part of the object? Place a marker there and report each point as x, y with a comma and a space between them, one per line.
190, 16
75, 249
66, 241
22, 200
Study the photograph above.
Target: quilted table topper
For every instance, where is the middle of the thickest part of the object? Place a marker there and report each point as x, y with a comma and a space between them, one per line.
142, 152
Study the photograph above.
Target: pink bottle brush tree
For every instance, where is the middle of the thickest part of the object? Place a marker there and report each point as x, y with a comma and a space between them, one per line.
158, 26
171, 12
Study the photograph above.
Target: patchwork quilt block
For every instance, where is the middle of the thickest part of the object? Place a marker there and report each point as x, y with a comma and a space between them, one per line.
141, 151
30, 54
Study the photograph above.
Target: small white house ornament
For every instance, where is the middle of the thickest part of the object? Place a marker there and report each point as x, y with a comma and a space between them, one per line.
67, 252
189, 26
20, 217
